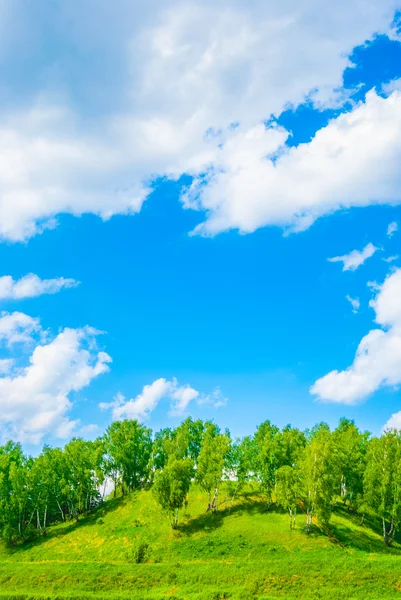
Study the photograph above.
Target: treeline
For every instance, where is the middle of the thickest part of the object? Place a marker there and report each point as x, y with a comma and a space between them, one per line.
310, 470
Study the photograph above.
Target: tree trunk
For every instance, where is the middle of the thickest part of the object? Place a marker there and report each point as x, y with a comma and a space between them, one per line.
384, 532
216, 499
308, 521
388, 533
61, 510
233, 496
44, 520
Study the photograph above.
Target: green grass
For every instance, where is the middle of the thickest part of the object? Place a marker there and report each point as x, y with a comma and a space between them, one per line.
248, 553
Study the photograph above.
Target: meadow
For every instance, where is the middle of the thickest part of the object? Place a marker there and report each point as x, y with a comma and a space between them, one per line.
127, 549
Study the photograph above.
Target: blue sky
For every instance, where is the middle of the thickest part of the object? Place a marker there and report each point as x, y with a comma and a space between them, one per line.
196, 192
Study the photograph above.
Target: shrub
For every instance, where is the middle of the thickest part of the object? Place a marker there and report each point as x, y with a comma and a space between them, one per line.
141, 553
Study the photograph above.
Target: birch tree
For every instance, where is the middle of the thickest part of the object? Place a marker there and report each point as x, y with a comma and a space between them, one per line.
351, 446
128, 446
171, 487
211, 464
288, 491
382, 482
319, 472
266, 459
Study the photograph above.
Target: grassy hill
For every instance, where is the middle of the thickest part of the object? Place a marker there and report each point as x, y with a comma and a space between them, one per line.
127, 549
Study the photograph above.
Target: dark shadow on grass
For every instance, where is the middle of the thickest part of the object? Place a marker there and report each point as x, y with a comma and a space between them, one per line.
361, 536
209, 521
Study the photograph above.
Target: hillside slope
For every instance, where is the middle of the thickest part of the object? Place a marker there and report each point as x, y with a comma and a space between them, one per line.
127, 549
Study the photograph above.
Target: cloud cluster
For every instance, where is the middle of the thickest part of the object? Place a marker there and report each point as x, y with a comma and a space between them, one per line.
256, 180
35, 399
31, 285
377, 361
179, 396
192, 70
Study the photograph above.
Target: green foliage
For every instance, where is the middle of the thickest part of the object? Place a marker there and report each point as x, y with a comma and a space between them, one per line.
288, 490
141, 553
382, 482
319, 471
128, 449
171, 486
211, 463
296, 470
351, 447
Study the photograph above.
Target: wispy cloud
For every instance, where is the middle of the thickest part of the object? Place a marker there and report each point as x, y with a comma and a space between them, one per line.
356, 258
390, 259
31, 285
392, 229
355, 303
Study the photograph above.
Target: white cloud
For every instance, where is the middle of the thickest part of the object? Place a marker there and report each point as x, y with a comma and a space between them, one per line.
356, 258
390, 259
392, 229
31, 285
377, 360
35, 400
179, 396
216, 399
191, 70
373, 286
355, 303
394, 422
88, 429
353, 162
17, 327
389, 88
6, 364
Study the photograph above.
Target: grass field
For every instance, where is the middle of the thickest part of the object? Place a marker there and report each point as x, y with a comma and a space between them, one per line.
248, 553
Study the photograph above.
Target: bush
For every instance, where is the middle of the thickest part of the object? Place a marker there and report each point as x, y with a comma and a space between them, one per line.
141, 553
99, 521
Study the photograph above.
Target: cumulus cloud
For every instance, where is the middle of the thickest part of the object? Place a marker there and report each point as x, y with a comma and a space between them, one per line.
17, 327
256, 180
35, 399
31, 285
179, 397
392, 229
192, 70
377, 361
356, 258
355, 303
